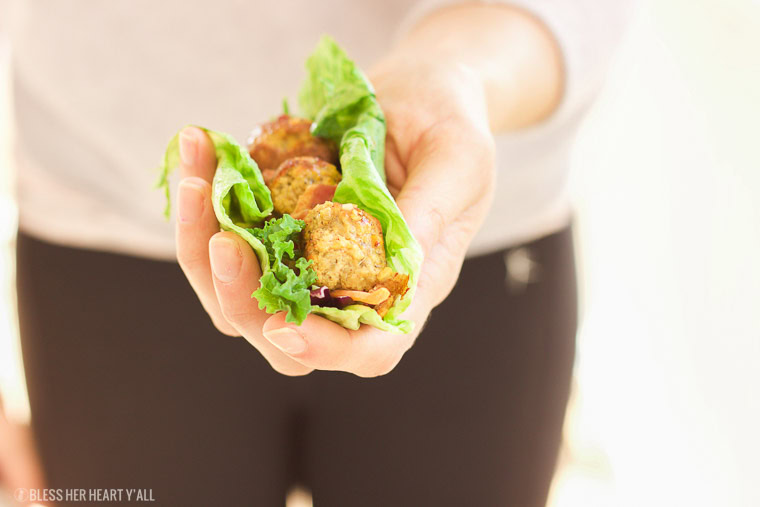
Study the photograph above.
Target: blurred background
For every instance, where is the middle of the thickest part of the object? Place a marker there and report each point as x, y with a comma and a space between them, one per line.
666, 179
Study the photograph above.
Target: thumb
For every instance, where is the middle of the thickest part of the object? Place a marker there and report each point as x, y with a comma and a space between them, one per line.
197, 154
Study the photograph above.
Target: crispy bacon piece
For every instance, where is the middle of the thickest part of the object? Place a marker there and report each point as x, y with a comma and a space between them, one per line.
384, 294
395, 283
389, 288
314, 195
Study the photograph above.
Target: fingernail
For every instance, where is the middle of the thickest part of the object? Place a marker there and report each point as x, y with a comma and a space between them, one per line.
225, 259
188, 147
191, 201
287, 340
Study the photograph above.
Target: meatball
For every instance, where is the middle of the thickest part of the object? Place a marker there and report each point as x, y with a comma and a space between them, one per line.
274, 142
297, 174
345, 245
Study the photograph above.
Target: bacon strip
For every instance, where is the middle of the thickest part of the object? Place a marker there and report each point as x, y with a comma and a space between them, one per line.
389, 288
313, 195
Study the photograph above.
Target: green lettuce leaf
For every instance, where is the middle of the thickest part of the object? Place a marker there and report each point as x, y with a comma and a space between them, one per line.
238, 193
342, 103
238, 181
282, 287
339, 98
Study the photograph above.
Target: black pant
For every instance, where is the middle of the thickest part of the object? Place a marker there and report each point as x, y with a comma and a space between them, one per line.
131, 387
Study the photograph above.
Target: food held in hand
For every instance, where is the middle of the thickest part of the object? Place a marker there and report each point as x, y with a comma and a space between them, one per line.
329, 236
345, 246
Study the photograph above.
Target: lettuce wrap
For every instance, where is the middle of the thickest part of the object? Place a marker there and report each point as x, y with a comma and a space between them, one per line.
340, 100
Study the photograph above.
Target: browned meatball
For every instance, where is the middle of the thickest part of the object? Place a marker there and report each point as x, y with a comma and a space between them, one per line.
294, 176
286, 137
345, 245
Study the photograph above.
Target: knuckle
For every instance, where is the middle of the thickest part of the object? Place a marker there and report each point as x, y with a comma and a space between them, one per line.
381, 367
290, 370
225, 328
388, 365
374, 373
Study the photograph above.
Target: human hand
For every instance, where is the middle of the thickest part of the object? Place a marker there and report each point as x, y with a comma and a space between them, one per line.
448, 82
437, 140
20, 470
439, 165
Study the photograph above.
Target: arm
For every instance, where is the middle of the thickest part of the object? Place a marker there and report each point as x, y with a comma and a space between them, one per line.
460, 72
513, 54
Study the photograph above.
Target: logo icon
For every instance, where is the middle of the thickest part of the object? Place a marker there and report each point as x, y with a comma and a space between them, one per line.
21, 495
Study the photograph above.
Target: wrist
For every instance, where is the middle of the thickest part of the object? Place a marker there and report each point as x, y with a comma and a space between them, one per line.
512, 53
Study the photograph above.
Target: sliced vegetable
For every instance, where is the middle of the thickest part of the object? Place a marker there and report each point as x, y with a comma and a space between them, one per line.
375, 297
323, 297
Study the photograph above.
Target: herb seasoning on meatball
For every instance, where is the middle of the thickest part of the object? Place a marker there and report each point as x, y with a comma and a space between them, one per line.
345, 245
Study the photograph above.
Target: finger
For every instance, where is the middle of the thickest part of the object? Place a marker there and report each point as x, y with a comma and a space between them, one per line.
196, 223
19, 463
325, 345
197, 154
448, 173
236, 274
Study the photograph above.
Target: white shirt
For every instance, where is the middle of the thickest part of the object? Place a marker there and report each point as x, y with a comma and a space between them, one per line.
99, 88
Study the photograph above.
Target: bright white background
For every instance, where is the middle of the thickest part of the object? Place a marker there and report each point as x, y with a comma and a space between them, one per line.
667, 185
666, 178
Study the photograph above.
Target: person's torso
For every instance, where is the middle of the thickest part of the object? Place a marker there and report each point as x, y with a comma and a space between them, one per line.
100, 87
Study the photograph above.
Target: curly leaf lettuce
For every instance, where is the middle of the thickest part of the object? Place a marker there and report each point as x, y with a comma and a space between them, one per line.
282, 287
